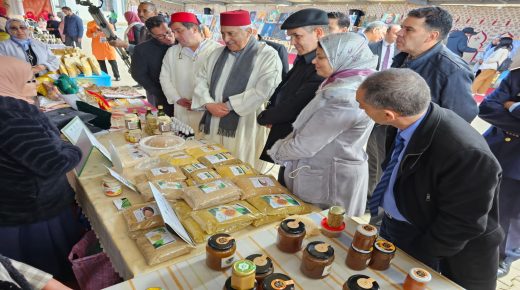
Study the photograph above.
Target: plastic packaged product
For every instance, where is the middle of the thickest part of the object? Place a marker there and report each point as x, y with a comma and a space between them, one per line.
96, 69
205, 176
226, 218
205, 150
279, 204
195, 231
182, 209
210, 194
178, 158
234, 170
258, 185
317, 260
165, 173
159, 245
171, 190
189, 169
132, 155
143, 216
85, 67
218, 159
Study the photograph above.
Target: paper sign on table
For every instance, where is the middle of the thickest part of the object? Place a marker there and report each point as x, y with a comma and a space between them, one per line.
73, 130
169, 216
84, 144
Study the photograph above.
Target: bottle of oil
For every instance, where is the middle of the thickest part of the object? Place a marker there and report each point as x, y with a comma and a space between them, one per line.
151, 122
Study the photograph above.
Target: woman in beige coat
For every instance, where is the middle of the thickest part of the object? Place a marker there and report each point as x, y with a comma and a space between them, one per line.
324, 156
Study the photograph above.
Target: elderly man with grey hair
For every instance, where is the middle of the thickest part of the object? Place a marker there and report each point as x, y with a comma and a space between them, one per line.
439, 188
375, 31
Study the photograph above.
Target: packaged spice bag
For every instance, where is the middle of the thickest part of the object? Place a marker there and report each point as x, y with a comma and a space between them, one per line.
258, 185
158, 245
226, 218
210, 194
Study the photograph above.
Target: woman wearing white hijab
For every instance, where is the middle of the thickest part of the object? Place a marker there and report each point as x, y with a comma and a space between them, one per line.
324, 157
24, 47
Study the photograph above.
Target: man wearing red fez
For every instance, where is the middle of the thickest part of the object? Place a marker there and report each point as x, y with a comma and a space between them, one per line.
180, 64
232, 87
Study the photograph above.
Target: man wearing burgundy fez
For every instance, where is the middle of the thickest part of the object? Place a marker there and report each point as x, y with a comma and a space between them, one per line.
180, 64
232, 87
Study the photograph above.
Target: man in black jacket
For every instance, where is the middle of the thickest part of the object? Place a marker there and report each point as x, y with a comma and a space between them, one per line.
147, 61
439, 189
305, 27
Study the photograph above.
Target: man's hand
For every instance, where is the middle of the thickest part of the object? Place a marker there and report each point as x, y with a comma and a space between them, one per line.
119, 43
217, 109
38, 68
508, 104
183, 102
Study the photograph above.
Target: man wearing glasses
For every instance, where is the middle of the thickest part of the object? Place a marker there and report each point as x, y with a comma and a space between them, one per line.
147, 61
180, 64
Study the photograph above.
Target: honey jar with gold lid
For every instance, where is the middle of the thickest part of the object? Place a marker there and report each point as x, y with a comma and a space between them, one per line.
264, 267
417, 279
360, 282
364, 237
317, 260
277, 281
220, 251
242, 276
290, 236
382, 254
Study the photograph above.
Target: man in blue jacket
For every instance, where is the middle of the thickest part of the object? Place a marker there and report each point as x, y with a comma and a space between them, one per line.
502, 110
73, 28
458, 41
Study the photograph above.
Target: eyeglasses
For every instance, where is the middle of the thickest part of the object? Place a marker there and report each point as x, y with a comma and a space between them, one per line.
163, 36
16, 28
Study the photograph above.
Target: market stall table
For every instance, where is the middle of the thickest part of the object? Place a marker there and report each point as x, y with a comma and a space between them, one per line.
194, 274
108, 223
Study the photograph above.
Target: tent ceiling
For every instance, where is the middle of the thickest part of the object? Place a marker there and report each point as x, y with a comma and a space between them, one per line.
296, 2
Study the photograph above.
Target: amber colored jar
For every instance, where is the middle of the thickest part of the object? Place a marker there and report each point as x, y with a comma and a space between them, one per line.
360, 282
417, 279
317, 260
335, 216
383, 253
358, 259
364, 237
220, 251
277, 281
242, 277
264, 267
290, 236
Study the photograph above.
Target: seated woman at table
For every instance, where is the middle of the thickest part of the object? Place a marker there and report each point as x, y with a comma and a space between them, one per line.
24, 47
324, 157
37, 221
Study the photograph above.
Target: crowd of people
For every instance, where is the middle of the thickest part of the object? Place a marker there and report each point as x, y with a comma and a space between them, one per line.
376, 121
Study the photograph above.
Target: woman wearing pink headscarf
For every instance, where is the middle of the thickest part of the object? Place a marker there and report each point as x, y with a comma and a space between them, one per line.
134, 28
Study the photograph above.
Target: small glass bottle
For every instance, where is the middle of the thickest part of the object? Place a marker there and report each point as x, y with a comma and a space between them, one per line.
382, 254
242, 276
290, 236
317, 260
358, 259
364, 237
220, 251
160, 111
417, 279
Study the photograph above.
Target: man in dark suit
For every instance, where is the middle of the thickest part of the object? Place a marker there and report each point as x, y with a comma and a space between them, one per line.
305, 27
386, 49
439, 188
502, 110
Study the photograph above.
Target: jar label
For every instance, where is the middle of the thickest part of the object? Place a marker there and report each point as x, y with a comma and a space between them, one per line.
260, 261
132, 124
163, 170
322, 248
209, 148
122, 203
261, 182
326, 270
169, 185
280, 200
160, 237
212, 186
228, 212
240, 170
227, 262
165, 127
366, 283
146, 212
